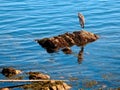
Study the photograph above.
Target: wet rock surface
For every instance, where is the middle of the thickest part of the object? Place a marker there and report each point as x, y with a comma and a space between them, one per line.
67, 50
79, 38
38, 75
8, 72
48, 85
4, 89
43, 81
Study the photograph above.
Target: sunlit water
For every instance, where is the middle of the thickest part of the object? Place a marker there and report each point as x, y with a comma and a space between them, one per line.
22, 21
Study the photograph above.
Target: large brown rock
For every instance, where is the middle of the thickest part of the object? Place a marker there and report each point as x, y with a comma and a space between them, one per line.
79, 38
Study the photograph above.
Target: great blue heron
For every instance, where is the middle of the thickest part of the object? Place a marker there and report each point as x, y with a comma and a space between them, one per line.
81, 19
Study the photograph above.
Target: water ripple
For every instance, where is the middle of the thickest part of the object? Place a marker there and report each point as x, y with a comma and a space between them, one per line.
21, 22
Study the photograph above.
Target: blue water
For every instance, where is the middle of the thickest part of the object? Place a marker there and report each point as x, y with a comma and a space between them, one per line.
22, 21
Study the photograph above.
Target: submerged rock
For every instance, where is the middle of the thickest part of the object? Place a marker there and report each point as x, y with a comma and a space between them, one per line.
90, 84
8, 72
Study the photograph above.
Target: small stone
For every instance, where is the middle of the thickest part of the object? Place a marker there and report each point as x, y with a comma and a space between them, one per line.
8, 72
37, 75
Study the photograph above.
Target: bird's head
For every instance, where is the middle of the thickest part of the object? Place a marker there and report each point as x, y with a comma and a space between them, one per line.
79, 14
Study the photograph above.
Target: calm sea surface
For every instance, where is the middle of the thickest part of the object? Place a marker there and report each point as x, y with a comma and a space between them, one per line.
22, 21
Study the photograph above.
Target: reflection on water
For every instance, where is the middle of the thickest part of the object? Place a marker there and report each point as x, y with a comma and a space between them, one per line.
80, 55
21, 22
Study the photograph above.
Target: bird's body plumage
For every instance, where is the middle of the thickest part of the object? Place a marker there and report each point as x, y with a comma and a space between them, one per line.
81, 20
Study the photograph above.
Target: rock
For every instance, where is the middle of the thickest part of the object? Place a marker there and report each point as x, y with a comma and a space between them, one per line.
48, 85
8, 72
67, 50
79, 38
65, 41
4, 89
67, 87
45, 88
53, 87
37, 75
60, 87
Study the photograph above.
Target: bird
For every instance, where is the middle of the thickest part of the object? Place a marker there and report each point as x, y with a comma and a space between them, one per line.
81, 20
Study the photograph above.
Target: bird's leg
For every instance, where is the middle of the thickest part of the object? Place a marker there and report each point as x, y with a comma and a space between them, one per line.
80, 55
82, 48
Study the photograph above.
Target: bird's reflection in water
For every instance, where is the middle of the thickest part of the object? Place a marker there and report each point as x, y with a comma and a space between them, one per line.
80, 55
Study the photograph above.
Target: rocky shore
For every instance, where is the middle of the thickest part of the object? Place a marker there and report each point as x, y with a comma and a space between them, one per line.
38, 80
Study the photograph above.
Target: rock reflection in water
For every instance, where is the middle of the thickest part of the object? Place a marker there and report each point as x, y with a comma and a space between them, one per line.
67, 40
